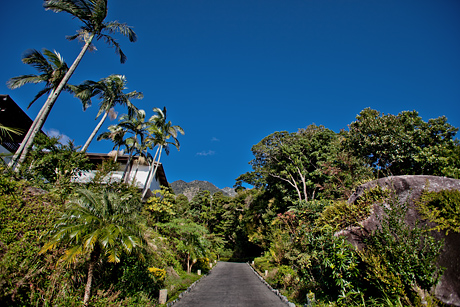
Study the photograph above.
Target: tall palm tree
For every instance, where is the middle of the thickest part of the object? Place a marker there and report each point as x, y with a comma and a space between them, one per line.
97, 224
110, 92
137, 127
92, 13
50, 65
163, 134
52, 68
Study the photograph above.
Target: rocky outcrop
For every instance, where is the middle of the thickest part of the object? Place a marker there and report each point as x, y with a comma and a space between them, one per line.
409, 188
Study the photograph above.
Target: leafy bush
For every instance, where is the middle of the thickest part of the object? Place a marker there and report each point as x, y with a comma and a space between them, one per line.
401, 258
442, 208
26, 277
341, 214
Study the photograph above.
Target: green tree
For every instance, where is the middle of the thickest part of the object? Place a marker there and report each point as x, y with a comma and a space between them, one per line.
98, 224
52, 68
117, 135
161, 205
404, 144
55, 163
136, 126
162, 134
109, 91
92, 14
190, 240
50, 65
286, 162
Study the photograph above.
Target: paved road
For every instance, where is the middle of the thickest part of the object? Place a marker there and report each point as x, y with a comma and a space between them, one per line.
230, 285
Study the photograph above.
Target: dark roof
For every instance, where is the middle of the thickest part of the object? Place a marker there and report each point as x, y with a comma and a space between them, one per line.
12, 116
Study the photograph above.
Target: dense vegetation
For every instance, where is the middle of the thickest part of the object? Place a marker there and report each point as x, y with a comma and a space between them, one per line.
103, 243
62, 241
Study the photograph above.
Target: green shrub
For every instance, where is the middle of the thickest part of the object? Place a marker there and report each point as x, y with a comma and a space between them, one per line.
401, 258
341, 214
442, 208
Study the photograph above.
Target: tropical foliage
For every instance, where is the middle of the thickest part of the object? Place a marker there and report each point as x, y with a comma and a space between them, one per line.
105, 242
92, 14
109, 91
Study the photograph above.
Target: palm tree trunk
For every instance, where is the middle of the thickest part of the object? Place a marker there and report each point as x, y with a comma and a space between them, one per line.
148, 180
125, 177
93, 134
18, 152
156, 165
41, 117
135, 172
92, 264
116, 154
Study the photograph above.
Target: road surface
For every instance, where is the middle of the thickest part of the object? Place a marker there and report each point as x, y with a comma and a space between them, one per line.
230, 285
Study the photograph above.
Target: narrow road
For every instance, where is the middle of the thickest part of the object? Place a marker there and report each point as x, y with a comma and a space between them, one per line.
230, 285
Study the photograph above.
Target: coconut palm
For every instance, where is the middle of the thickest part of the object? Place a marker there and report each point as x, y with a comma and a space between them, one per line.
163, 134
98, 224
51, 67
92, 13
110, 92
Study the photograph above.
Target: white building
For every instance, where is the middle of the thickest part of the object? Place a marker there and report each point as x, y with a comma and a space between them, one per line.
11, 115
138, 171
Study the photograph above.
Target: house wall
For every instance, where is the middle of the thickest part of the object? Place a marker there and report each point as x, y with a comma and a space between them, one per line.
140, 177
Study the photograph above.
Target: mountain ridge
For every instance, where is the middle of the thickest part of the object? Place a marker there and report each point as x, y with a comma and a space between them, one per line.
190, 189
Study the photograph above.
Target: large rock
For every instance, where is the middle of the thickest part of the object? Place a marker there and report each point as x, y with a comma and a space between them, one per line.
409, 188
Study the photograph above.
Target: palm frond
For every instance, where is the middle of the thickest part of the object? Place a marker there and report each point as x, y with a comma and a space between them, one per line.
122, 28
42, 92
113, 43
37, 60
19, 81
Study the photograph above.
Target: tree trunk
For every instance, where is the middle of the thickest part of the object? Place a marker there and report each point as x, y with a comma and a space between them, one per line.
93, 134
148, 181
92, 264
41, 117
16, 155
125, 177
154, 171
135, 172
189, 269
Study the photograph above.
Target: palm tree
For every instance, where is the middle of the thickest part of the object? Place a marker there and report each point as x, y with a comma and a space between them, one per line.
97, 224
50, 65
110, 92
52, 68
92, 13
117, 135
161, 132
137, 126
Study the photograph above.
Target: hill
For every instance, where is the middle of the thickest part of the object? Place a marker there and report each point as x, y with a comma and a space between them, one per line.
190, 189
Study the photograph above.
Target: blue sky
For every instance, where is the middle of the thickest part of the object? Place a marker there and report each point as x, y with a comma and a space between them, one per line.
232, 72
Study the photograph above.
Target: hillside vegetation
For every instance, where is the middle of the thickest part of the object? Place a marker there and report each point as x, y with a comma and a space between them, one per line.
104, 243
55, 234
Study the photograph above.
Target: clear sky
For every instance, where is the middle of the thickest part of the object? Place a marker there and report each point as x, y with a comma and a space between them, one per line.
231, 72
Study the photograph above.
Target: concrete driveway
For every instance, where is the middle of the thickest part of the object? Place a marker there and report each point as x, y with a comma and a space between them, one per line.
230, 285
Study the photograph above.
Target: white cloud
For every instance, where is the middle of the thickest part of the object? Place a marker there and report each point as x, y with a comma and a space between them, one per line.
206, 153
63, 139
214, 139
